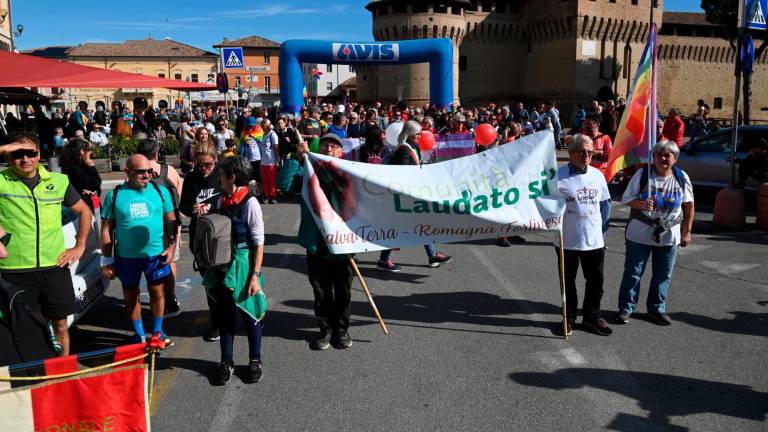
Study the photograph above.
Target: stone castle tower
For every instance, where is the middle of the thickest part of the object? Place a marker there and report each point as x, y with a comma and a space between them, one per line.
507, 50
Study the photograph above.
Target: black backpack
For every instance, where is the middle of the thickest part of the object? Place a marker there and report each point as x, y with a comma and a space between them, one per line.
162, 179
213, 242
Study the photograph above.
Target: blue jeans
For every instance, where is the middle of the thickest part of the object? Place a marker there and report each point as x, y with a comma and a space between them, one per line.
430, 248
634, 265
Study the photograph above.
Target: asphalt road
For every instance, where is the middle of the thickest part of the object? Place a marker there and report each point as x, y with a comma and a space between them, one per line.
471, 345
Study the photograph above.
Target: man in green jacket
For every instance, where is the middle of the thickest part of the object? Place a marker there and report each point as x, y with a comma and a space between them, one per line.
30, 211
330, 275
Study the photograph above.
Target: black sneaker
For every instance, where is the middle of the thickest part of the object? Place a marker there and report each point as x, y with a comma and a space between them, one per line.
224, 372
558, 330
622, 317
323, 342
438, 259
272, 201
388, 265
172, 307
212, 335
503, 242
598, 326
660, 318
254, 371
343, 341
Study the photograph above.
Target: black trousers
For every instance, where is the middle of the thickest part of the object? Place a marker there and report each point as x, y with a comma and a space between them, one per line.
331, 281
592, 269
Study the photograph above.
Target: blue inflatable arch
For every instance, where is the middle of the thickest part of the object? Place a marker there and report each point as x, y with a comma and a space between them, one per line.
437, 52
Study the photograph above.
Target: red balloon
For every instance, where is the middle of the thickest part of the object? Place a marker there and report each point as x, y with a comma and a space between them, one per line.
426, 141
485, 134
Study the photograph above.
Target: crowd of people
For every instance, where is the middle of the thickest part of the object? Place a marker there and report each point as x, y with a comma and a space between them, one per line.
229, 163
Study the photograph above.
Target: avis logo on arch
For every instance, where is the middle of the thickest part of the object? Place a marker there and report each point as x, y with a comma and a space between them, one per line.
366, 52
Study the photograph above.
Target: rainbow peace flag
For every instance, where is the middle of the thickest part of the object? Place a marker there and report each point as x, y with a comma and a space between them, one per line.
256, 133
637, 129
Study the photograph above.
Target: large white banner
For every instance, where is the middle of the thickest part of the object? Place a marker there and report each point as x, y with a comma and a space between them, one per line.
500, 192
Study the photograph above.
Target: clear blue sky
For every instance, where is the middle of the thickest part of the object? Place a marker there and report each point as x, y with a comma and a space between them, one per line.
200, 23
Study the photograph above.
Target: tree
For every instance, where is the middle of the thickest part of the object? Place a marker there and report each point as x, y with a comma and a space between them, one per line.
725, 13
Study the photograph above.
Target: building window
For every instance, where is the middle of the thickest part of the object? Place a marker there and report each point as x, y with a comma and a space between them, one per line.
365, 77
611, 1
211, 77
634, 2
193, 77
237, 81
268, 84
161, 74
462, 63
266, 57
329, 86
383, 10
455, 10
351, 69
329, 68
718, 104
177, 76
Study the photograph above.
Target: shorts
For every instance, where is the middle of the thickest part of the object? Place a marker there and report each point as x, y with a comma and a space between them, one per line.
50, 288
129, 270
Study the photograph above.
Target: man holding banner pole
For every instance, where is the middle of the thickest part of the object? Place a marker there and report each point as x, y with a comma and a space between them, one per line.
330, 275
585, 221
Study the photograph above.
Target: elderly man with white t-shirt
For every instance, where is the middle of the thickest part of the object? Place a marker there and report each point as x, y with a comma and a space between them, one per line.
659, 222
587, 212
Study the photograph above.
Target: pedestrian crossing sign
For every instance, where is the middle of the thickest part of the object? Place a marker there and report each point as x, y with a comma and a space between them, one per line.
232, 58
754, 14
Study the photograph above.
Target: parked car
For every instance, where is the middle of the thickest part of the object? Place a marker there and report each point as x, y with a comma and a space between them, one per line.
708, 159
86, 272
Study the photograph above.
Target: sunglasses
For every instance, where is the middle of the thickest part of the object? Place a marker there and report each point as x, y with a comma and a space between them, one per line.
149, 171
19, 154
584, 152
206, 164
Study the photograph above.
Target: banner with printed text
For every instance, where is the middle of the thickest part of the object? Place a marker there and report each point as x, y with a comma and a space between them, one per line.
508, 190
115, 400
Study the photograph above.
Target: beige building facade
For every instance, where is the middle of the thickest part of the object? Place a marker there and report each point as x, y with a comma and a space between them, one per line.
6, 26
572, 51
162, 58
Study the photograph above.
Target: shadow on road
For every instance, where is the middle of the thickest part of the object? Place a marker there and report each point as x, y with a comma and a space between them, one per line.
745, 323
205, 368
467, 307
664, 396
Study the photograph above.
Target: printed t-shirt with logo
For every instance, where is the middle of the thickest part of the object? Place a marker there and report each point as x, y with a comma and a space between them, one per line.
583, 193
138, 220
669, 197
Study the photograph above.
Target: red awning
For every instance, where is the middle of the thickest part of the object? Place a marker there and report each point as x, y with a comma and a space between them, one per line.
22, 70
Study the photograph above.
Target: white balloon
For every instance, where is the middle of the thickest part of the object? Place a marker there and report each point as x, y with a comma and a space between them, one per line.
392, 132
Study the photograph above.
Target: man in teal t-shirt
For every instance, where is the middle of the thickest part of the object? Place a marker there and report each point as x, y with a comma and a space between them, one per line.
139, 226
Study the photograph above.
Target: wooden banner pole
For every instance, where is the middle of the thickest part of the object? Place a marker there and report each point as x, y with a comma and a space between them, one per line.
561, 268
368, 294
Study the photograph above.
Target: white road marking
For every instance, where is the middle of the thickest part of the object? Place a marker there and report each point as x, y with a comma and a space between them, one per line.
296, 224
693, 248
725, 268
573, 357
228, 408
